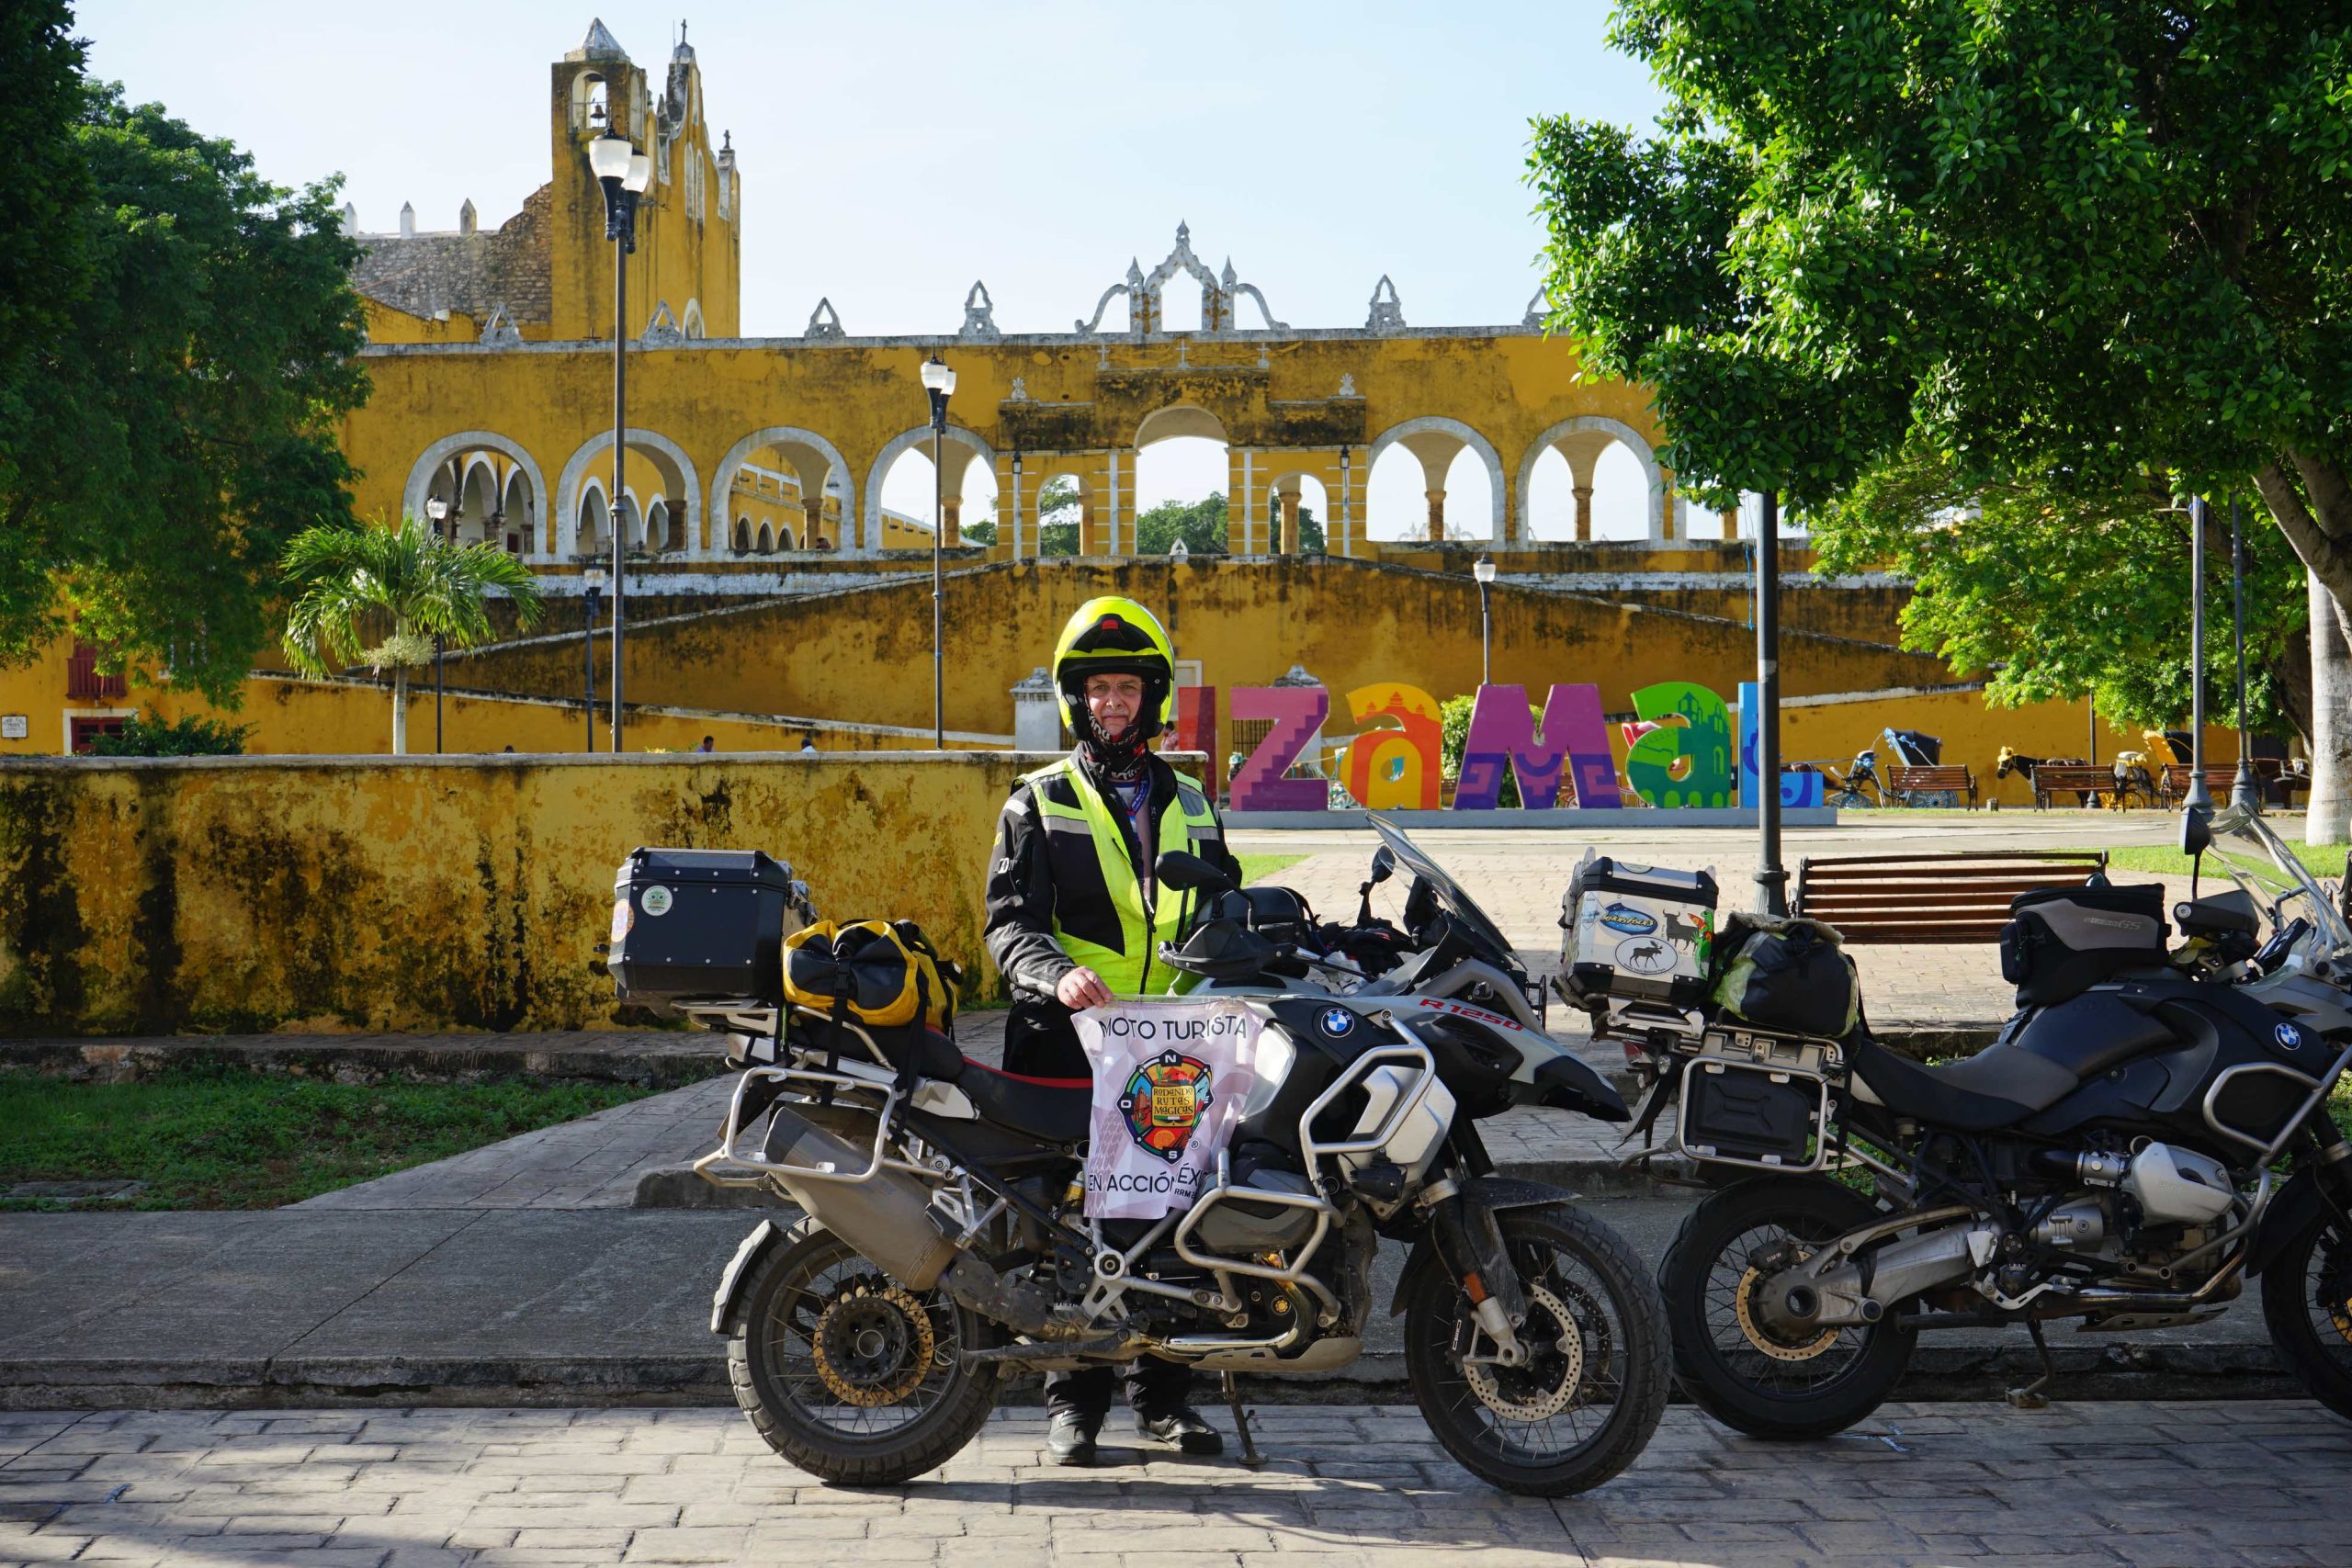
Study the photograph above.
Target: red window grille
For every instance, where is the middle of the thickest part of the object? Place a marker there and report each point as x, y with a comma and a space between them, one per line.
83, 680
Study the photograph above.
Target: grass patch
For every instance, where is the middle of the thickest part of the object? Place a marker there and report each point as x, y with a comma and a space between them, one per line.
228, 1139
1257, 868
2319, 860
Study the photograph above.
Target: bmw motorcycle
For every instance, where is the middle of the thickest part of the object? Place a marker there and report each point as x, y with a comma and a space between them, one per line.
946, 1245
2151, 1130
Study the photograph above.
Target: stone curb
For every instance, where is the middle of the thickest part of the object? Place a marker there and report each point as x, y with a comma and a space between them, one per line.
2218, 1370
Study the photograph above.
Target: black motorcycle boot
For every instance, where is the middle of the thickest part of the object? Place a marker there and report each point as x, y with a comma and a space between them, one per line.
1183, 1427
1070, 1439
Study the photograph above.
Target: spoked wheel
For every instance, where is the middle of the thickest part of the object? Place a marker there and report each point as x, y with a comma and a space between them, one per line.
851, 1375
2307, 1303
1591, 1393
1726, 1357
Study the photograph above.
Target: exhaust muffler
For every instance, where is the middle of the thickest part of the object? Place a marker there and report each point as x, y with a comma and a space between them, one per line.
890, 1220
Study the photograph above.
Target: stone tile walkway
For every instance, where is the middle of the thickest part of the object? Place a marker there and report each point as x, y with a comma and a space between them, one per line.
2214, 1485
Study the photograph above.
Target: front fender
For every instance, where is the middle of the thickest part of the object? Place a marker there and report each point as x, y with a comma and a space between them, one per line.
739, 1267
2299, 1204
1493, 1193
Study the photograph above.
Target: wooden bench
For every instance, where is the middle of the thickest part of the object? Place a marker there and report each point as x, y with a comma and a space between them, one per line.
2097, 779
2275, 783
1961, 896
1903, 784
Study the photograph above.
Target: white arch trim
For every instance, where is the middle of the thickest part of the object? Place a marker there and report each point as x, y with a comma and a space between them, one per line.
1434, 423
835, 464
907, 441
1627, 435
420, 476
567, 491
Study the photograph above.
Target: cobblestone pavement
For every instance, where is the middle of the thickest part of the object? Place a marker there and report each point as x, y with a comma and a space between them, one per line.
2087, 1486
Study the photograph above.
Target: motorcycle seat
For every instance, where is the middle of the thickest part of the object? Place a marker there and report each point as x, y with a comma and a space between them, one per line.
1998, 1087
1059, 1110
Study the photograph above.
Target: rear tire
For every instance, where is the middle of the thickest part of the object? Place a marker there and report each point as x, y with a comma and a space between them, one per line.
849, 1375
1599, 1379
2307, 1304
1729, 1366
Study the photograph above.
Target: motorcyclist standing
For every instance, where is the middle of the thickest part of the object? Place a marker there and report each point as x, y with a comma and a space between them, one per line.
1074, 920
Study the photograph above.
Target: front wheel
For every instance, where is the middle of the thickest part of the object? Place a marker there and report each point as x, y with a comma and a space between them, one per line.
2307, 1303
851, 1375
1731, 1364
1590, 1396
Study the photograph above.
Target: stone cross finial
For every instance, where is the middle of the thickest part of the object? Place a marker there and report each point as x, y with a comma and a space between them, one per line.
465, 217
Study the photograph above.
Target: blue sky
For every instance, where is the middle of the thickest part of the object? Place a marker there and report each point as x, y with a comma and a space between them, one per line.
891, 154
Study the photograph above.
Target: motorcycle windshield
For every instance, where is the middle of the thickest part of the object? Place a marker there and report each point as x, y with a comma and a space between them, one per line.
1448, 892
2257, 861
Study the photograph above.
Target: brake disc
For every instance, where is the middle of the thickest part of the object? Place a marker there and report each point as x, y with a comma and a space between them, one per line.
1531, 1392
1761, 1338
2335, 1292
872, 1344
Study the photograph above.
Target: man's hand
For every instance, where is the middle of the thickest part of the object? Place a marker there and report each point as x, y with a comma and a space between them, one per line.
1082, 988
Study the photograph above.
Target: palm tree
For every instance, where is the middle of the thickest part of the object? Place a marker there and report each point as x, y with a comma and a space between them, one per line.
401, 580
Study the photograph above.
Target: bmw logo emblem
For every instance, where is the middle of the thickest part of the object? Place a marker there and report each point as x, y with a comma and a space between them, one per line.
1335, 1022
2289, 1038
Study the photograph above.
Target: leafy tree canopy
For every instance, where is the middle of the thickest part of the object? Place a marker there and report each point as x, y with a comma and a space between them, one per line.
1201, 525
2081, 241
176, 348
2059, 593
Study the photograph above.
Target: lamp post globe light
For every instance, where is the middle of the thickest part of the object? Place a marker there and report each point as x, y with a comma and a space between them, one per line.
626, 174
592, 590
939, 383
1484, 570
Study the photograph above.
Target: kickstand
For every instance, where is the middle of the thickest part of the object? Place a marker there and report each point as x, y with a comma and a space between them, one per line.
1251, 1457
2030, 1397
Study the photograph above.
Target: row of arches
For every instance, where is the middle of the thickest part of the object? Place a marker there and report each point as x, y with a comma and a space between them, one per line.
1586, 478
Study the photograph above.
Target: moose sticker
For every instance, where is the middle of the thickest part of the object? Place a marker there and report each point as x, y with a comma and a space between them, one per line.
1646, 956
1170, 1080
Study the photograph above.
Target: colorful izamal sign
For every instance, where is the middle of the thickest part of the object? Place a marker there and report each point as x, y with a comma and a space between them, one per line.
1680, 752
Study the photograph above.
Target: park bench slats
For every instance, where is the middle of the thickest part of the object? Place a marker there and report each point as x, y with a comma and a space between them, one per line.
2071, 778
1950, 778
1960, 895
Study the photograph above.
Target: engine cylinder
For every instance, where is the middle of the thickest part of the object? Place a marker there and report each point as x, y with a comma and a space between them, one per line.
2081, 1224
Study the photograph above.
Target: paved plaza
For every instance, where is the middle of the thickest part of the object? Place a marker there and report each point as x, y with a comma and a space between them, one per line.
2076, 1486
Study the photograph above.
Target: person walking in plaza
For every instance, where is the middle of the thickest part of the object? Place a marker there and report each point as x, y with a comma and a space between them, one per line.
1073, 922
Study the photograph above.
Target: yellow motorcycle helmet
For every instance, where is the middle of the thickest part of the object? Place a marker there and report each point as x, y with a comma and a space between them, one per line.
1112, 636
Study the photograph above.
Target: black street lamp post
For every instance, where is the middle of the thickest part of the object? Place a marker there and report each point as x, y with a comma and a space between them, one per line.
625, 173
2201, 795
592, 581
2246, 793
1771, 878
939, 381
1484, 570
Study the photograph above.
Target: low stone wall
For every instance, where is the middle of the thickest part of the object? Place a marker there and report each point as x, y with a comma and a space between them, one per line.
425, 894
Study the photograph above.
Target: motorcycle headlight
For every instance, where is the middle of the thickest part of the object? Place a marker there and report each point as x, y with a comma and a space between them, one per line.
1275, 1053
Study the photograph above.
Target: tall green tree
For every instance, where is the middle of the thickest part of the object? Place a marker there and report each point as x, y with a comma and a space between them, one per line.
1200, 524
400, 587
2100, 242
177, 341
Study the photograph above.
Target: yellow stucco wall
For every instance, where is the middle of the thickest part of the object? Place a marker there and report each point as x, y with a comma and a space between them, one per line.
257, 894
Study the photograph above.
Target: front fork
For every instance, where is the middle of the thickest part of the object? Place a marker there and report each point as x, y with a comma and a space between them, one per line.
1469, 1245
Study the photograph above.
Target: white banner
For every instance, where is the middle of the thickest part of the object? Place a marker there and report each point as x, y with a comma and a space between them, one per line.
1170, 1080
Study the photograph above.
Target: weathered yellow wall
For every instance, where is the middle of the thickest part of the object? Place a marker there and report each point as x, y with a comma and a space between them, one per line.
245, 894
865, 654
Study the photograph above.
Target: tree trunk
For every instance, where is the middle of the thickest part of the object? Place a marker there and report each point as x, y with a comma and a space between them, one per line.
2330, 801
2311, 497
400, 710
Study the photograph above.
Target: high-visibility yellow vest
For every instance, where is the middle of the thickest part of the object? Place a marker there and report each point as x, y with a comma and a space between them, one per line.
1101, 916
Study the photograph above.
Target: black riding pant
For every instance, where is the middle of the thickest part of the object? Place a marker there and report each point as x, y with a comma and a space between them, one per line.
1039, 1043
